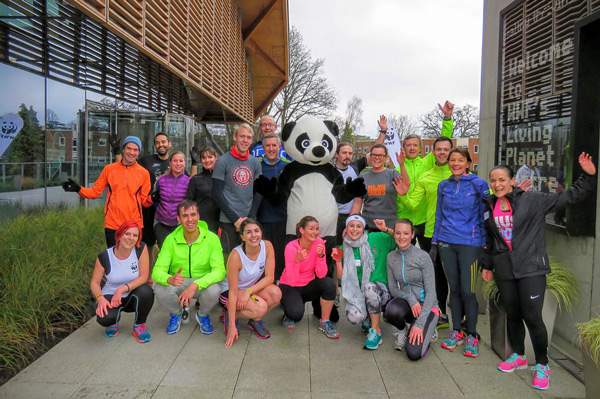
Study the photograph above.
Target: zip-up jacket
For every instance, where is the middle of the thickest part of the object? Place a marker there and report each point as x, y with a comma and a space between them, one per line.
412, 278
528, 256
172, 190
270, 210
459, 211
202, 260
426, 189
128, 191
415, 168
200, 190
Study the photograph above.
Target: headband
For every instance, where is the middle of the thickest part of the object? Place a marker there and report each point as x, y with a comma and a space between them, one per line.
356, 218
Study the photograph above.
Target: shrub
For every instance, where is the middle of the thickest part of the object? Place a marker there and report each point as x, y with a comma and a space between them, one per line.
589, 337
46, 259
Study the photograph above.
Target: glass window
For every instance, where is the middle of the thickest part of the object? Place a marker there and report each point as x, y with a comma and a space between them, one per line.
22, 116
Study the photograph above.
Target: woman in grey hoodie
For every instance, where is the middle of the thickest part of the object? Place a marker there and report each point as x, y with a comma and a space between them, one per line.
411, 282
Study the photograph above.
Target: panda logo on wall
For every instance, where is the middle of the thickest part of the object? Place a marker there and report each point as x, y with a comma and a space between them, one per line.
311, 184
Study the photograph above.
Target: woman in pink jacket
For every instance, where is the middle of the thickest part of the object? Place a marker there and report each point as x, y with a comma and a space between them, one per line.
305, 278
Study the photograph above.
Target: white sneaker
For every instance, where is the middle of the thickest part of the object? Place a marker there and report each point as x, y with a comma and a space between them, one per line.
400, 339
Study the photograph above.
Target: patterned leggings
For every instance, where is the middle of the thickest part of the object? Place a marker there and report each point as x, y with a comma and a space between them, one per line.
376, 296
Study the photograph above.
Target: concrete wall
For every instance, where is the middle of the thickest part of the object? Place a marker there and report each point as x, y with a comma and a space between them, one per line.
576, 252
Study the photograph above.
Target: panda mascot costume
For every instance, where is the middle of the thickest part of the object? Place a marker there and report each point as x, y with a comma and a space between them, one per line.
310, 184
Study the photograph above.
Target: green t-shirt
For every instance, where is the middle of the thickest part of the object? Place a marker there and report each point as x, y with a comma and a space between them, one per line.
381, 244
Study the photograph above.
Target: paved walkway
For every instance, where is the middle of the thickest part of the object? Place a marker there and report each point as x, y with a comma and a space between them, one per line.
303, 364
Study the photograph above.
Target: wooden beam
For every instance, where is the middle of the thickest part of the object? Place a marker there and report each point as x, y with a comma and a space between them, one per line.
261, 17
254, 47
269, 99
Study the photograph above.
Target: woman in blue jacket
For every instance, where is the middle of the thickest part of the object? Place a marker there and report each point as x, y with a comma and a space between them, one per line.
459, 234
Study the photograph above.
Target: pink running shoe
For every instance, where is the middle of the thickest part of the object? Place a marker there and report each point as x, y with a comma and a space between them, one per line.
541, 377
512, 363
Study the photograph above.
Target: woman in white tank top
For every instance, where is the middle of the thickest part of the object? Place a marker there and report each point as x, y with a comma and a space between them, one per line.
249, 292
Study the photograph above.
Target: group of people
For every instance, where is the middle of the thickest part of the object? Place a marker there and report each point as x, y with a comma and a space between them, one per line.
463, 225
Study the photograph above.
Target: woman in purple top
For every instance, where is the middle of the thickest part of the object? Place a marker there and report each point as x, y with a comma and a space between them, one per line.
171, 188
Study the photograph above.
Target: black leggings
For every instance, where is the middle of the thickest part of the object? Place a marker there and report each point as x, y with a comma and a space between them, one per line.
460, 265
441, 283
523, 300
161, 231
139, 301
109, 235
398, 313
294, 298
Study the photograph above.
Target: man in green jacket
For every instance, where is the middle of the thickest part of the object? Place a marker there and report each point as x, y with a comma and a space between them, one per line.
425, 194
416, 165
190, 265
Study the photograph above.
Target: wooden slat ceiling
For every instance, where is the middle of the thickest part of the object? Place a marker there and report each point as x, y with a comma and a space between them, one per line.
231, 55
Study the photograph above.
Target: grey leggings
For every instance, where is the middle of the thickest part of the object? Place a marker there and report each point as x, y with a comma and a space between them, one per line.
376, 296
460, 265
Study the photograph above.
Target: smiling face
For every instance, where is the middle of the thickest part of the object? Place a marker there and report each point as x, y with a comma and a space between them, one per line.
129, 238
403, 235
208, 160
188, 218
267, 125
310, 232
343, 158
501, 182
458, 164
242, 139
377, 157
130, 153
177, 164
412, 147
162, 145
355, 230
271, 147
441, 151
251, 235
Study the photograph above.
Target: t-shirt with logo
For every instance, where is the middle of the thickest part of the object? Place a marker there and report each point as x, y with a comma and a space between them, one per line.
504, 221
155, 166
380, 201
239, 179
122, 271
352, 172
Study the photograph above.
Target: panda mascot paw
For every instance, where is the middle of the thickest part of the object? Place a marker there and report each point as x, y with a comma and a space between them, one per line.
356, 188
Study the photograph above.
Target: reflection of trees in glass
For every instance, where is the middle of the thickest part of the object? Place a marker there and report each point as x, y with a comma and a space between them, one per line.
28, 146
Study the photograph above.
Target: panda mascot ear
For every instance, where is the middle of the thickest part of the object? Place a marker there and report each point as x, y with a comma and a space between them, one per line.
287, 130
333, 128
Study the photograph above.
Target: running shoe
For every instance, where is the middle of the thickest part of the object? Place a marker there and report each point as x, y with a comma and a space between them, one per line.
400, 342
365, 326
258, 327
288, 323
434, 336
471, 347
373, 340
141, 333
512, 363
206, 327
112, 331
443, 322
174, 324
185, 315
454, 339
541, 377
328, 328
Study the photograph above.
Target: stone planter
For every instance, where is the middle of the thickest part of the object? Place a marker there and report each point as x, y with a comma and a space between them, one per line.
592, 377
499, 336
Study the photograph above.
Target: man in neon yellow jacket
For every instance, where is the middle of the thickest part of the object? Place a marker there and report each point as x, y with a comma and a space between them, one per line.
416, 165
190, 265
425, 194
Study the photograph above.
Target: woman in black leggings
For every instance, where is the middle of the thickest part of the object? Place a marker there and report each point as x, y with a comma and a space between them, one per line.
516, 258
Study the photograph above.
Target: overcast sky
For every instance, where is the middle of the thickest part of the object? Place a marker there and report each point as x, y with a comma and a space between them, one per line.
399, 56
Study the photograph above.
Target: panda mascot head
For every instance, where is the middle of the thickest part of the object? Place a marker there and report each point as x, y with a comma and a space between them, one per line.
310, 140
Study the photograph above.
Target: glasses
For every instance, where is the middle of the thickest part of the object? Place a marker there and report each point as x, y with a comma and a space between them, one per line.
378, 155
268, 125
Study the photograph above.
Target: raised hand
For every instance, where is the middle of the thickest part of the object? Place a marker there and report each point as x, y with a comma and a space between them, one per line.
320, 250
447, 109
238, 222
586, 163
380, 224
195, 156
400, 157
382, 122
337, 254
301, 254
177, 279
115, 143
399, 185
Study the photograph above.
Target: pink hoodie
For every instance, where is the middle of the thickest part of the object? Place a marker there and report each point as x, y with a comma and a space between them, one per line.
300, 273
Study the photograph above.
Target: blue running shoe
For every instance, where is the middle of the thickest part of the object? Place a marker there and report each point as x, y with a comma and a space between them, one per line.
328, 328
206, 327
174, 324
112, 331
373, 340
141, 333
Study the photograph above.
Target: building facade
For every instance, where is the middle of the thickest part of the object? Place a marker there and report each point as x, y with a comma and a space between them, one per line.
76, 72
539, 78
